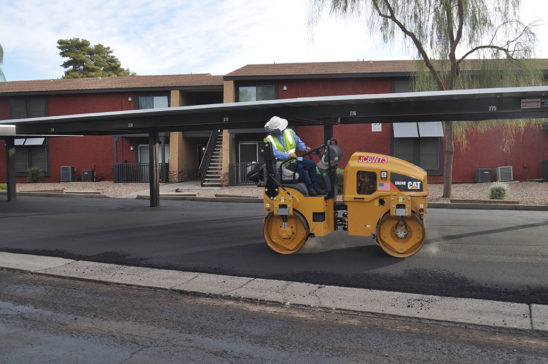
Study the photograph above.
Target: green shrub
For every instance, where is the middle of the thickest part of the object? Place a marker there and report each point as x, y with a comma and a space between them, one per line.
34, 175
498, 191
2, 186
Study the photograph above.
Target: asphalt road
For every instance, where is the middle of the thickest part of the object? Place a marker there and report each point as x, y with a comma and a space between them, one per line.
52, 320
490, 254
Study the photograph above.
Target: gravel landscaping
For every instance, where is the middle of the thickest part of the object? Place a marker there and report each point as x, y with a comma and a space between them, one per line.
527, 193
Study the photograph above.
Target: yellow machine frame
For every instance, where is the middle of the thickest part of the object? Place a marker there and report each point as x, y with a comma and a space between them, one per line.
384, 197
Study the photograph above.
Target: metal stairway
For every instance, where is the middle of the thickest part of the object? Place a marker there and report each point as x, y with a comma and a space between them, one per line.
212, 176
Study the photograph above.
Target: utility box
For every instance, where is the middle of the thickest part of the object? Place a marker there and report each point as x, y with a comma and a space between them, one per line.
68, 174
483, 175
505, 174
545, 170
88, 175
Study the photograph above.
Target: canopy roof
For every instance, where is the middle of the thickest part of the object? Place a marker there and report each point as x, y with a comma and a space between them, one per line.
470, 104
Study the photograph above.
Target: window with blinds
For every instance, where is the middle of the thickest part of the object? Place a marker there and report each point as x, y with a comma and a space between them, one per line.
419, 143
30, 152
28, 107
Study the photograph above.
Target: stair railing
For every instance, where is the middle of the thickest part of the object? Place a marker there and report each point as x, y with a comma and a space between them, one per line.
210, 148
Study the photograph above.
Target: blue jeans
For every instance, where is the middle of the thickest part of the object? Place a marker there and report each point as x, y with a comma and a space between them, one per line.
307, 172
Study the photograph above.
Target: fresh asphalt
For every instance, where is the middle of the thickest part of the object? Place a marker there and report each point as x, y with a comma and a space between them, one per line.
490, 254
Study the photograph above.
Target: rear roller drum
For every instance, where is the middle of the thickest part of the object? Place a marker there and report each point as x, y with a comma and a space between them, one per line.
285, 234
400, 236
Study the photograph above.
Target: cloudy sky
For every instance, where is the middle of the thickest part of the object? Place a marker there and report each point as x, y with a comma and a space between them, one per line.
185, 36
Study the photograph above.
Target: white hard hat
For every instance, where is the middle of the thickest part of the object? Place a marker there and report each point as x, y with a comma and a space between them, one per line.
275, 124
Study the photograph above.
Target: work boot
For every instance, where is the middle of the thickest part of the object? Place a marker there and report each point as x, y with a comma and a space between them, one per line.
312, 192
320, 191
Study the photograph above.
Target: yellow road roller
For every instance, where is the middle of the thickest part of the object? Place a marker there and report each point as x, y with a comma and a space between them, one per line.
383, 197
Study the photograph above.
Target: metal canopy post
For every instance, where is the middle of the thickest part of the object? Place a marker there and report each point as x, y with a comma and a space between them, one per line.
10, 169
116, 172
153, 170
327, 135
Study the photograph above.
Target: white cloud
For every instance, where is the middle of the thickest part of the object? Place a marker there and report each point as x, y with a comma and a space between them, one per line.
183, 36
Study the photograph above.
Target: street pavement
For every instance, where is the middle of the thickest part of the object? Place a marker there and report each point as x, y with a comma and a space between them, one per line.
51, 320
487, 261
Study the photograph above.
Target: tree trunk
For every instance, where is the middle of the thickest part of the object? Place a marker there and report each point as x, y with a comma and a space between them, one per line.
448, 163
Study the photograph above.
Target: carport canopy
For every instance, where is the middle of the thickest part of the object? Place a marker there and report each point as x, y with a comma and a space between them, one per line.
455, 105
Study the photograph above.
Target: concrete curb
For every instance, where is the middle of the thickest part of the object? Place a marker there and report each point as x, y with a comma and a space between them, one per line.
60, 194
246, 199
498, 314
490, 206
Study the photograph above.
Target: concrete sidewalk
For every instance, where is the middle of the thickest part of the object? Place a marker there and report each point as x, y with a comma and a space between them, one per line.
364, 301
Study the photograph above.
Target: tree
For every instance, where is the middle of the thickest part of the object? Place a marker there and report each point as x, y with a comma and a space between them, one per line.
445, 33
2, 78
85, 60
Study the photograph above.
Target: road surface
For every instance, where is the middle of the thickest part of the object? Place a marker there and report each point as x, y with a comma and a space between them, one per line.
489, 254
52, 320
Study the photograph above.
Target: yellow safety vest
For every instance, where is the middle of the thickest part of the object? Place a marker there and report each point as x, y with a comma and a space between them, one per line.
289, 141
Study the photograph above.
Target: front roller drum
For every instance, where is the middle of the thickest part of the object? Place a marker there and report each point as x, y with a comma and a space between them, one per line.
285, 234
400, 236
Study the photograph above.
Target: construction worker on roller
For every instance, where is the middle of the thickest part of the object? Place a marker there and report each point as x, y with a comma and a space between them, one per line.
285, 142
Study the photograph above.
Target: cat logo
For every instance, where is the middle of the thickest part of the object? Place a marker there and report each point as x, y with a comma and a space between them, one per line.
414, 185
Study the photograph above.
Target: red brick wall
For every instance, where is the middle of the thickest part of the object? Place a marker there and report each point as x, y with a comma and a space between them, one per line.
352, 138
484, 150
4, 108
88, 103
88, 152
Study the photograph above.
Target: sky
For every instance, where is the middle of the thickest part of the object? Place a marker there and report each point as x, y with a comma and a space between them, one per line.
164, 37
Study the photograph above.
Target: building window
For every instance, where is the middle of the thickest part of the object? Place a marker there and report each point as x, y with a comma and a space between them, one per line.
420, 144
31, 153
152, 102
402, 84
28, 107
256, 93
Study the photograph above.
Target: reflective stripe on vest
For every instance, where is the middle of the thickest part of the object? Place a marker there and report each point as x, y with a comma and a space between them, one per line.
289, 141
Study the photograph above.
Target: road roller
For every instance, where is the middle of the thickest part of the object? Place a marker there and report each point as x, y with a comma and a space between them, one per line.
383, 197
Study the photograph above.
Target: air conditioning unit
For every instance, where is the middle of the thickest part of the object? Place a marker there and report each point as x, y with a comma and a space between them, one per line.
88, 175
68, 174
483, 175
505, 174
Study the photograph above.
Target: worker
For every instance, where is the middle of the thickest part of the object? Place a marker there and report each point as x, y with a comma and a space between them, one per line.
285, 142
